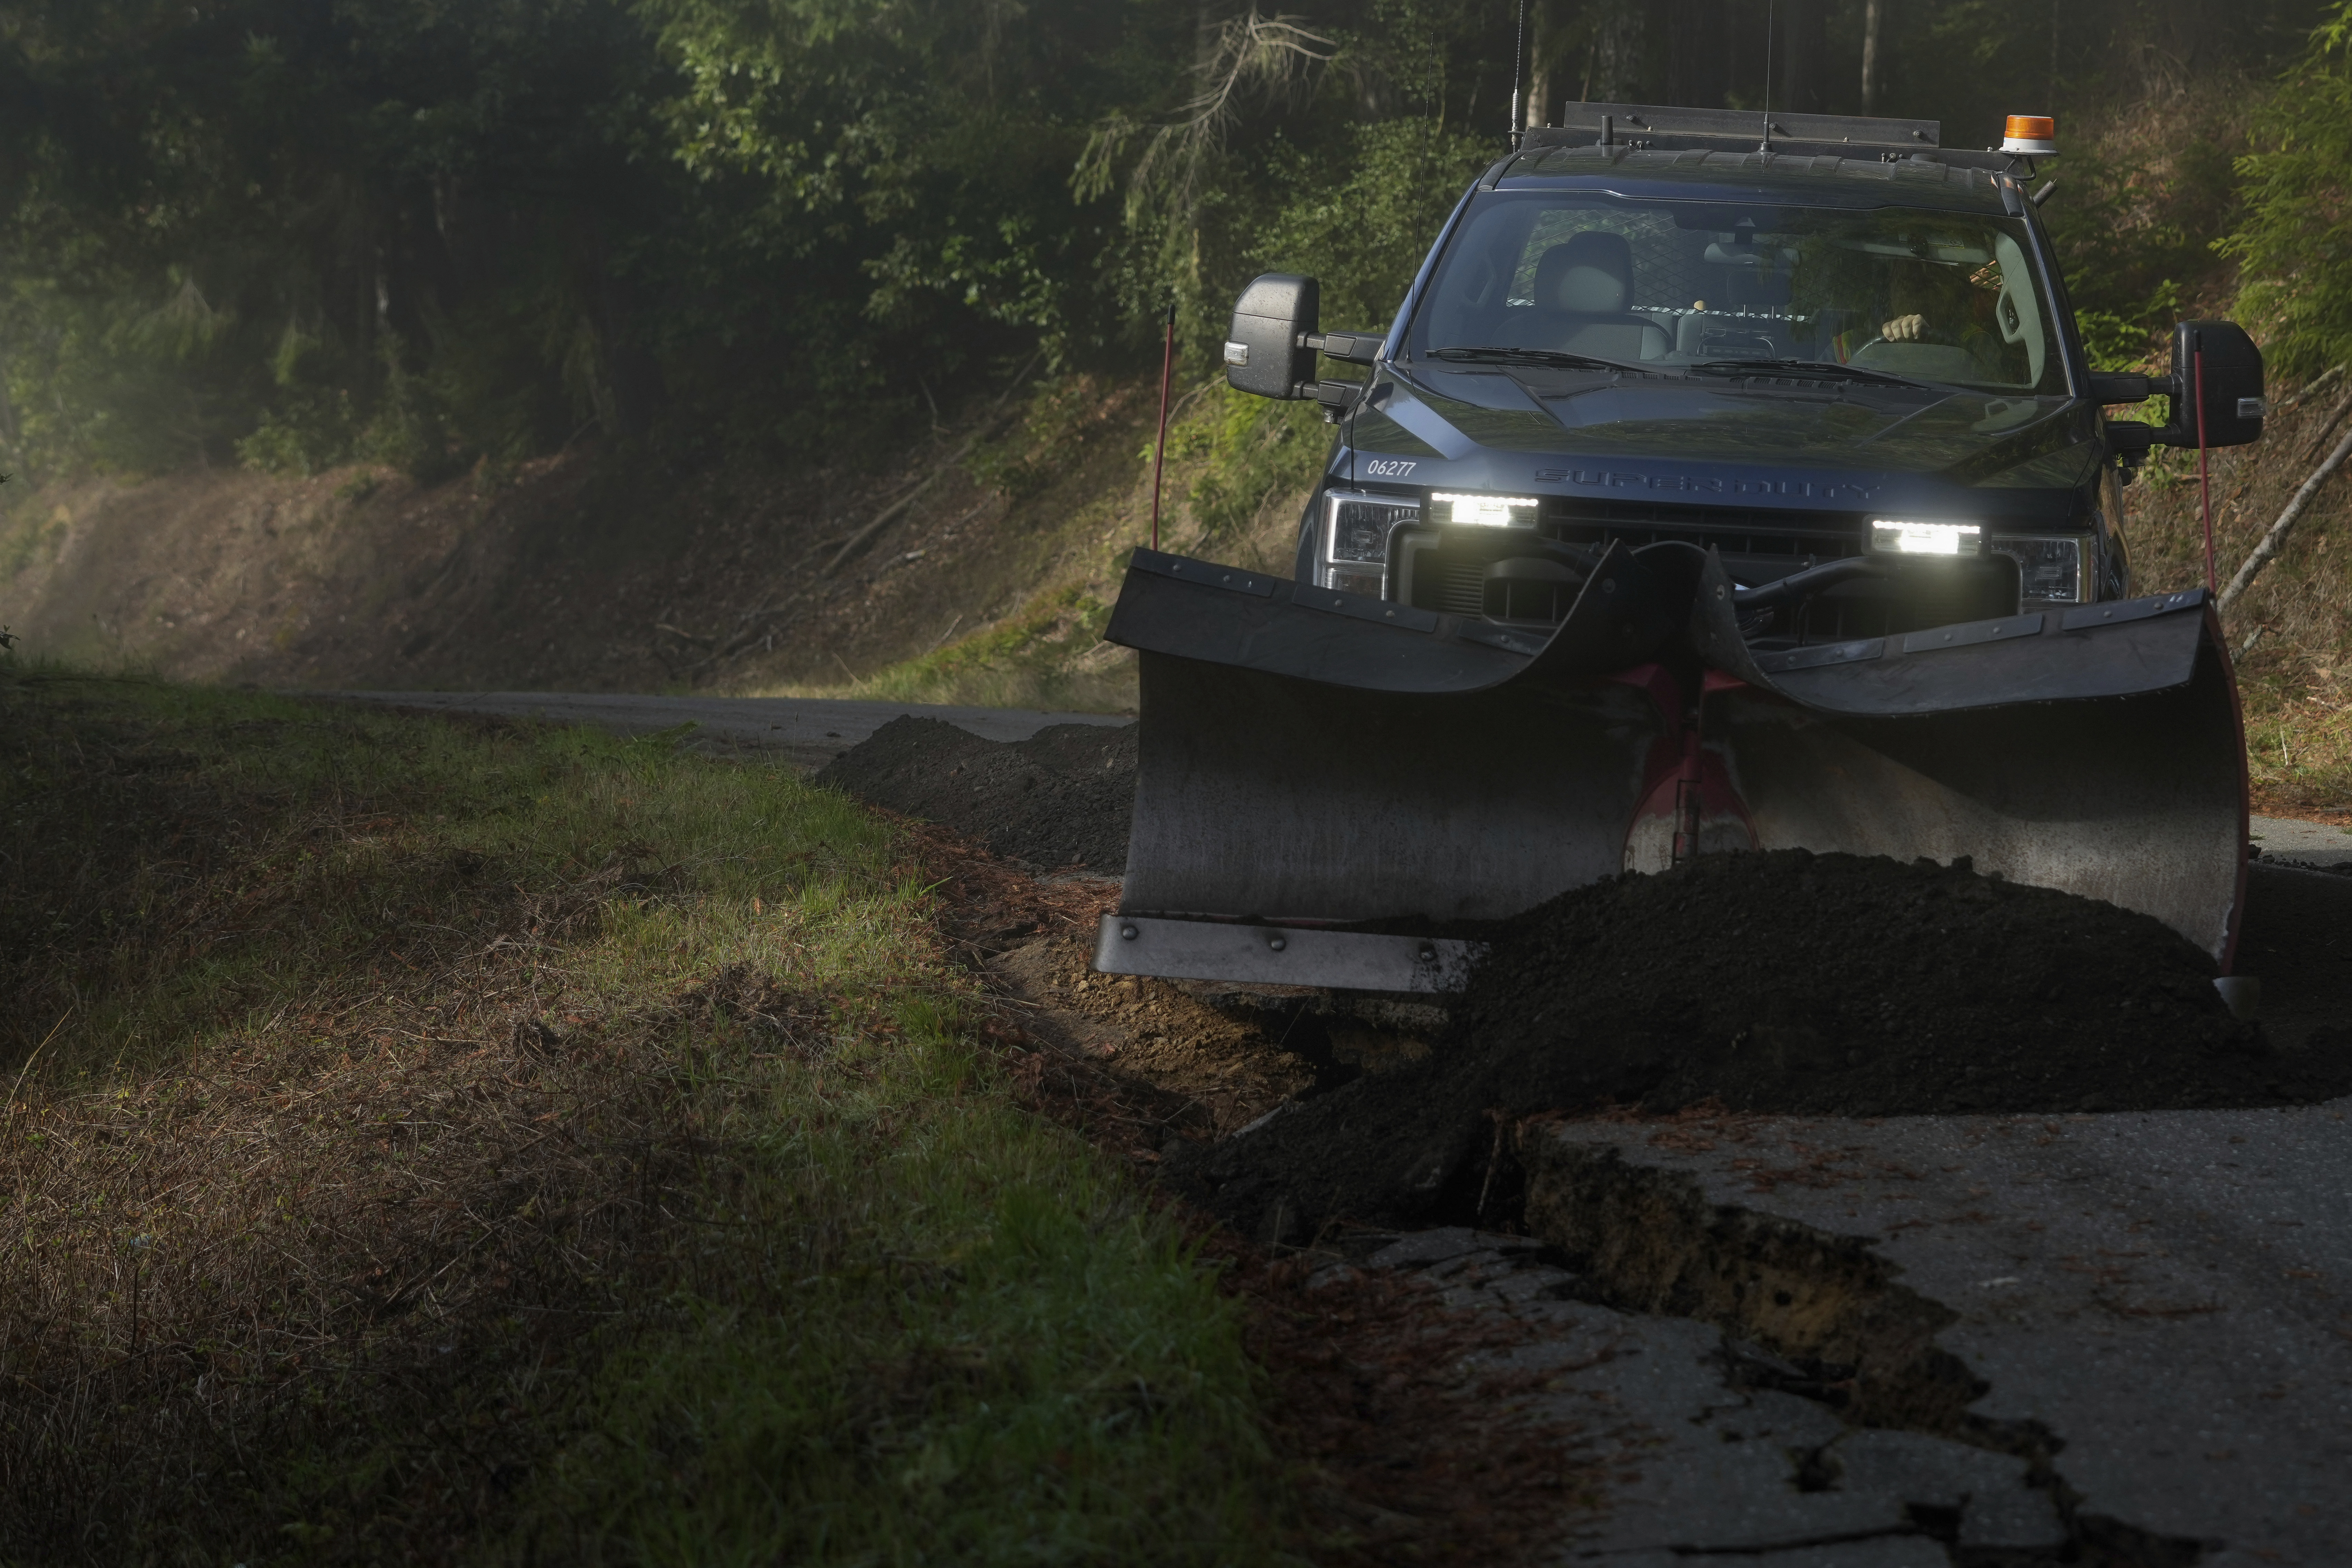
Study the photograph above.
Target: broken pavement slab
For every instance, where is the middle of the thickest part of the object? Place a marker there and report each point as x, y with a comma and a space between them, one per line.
2157, 1307
1687, 1455
2289, 838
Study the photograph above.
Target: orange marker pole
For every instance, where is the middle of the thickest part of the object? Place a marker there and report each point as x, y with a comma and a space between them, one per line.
2204, 474
1160, 447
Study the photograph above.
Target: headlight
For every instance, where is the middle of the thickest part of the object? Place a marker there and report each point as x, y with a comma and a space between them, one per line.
1899, 536
1488, 511
2056, 568
1356, 540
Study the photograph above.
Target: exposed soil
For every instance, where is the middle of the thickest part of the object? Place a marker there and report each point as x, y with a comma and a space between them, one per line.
1412, 1437
1061, 798
1229, 1068
589, 570
1786, 982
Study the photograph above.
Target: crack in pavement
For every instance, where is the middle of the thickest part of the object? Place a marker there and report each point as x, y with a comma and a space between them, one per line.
2138, 1328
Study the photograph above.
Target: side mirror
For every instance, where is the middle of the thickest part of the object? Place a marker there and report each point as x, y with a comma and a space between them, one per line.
2214, 362
1266, 349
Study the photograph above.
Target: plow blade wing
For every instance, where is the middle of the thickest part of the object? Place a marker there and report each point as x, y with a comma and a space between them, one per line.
1320, 761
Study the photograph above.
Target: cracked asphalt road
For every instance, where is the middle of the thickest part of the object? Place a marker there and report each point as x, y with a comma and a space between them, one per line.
2158, 1306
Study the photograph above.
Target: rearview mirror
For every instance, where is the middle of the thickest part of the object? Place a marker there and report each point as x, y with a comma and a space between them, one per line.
1266, 350
2216, 370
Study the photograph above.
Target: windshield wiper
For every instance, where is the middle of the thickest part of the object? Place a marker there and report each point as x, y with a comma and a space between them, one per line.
1550, 358
1822, 367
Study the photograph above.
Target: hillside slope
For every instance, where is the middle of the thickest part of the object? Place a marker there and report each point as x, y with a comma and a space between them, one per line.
576, 572
2294, 679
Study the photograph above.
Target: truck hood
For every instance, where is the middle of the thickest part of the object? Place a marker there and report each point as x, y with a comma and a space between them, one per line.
1948, 434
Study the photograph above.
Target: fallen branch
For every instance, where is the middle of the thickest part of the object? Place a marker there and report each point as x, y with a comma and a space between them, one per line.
2334, 417
889, 514
2275, 540
2309, 389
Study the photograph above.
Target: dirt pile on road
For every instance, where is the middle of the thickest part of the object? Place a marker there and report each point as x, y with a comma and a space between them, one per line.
1060, 798
1788, 982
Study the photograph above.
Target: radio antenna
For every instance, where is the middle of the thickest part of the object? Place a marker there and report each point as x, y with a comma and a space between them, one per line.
1518, 72
1766, 145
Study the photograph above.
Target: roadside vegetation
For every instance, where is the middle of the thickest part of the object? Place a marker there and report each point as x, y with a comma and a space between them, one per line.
525, 1145
829, 336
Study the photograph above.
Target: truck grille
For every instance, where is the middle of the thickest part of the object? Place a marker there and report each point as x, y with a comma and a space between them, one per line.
1472, 571
1743, 532
1462, 590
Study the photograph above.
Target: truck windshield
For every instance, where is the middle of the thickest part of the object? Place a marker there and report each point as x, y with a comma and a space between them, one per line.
1940, 297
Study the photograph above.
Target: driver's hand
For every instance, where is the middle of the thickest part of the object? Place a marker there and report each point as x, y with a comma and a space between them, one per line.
1904, 329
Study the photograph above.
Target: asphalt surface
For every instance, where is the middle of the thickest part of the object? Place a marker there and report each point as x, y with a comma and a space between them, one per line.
2167, 1295
2319, 842
808, 733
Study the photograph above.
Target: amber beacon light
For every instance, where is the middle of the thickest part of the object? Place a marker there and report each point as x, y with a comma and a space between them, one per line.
2034, 134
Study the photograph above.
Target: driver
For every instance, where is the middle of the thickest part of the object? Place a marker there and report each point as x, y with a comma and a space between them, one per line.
1929, 302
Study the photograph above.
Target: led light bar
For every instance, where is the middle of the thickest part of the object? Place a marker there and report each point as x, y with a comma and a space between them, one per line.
1896, 536
1488, 512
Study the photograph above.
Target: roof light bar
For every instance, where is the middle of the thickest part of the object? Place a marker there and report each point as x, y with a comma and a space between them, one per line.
2034, 135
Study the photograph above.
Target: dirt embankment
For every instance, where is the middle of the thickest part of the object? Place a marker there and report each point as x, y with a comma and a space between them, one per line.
1059, 799
1782, 982
585, 571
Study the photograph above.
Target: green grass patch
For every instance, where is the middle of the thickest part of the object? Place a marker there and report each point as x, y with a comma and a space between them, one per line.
527, 1146
1037, 659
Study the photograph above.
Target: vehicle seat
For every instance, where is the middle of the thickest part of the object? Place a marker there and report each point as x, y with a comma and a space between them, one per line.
1582, 288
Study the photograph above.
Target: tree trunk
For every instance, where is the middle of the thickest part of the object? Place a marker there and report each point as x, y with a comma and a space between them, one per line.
1698, 53
1873, 14
1618, 37
1543, 41
1799, 50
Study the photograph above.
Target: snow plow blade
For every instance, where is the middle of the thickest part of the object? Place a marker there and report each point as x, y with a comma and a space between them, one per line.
1381, 776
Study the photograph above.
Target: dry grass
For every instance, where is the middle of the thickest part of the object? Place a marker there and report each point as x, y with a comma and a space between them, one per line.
528, 1145
1237, 475
2295, 682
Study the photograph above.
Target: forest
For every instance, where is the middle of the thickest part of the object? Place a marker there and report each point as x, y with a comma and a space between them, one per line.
290, 234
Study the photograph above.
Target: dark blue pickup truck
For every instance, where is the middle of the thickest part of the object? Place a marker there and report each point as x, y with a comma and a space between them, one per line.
1720, 484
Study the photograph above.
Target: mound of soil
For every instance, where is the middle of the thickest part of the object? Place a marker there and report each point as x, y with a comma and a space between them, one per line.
1061, 798
1786, 982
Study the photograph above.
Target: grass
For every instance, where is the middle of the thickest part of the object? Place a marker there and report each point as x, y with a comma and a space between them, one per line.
1238, 472
1038, 658
525, 1145
2295, 681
